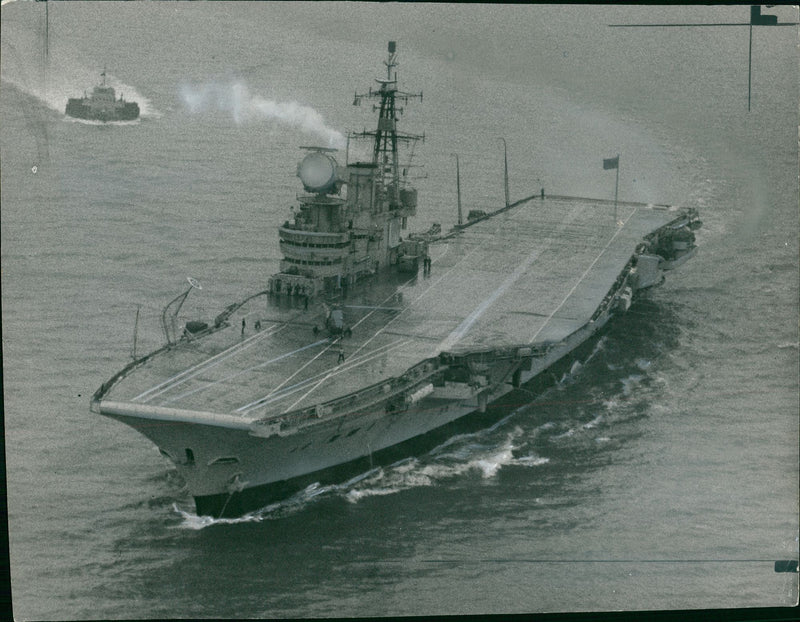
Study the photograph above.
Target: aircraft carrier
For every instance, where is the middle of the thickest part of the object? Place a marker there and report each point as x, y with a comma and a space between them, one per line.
365, 340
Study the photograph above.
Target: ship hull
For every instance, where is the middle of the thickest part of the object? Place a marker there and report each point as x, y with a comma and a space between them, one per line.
269, 470
460, 419
249, 417
78, 109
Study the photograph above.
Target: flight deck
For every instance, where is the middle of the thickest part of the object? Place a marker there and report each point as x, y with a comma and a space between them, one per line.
529, 274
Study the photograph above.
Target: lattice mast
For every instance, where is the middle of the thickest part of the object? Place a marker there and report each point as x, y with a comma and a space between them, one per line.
386, 137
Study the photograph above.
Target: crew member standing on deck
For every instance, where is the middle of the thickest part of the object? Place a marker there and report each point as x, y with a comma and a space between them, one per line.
243, 325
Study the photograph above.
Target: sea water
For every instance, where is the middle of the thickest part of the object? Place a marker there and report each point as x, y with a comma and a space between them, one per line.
660, 473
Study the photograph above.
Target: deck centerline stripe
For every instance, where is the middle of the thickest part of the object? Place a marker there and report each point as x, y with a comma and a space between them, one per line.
464, 327
229, 349
286, 391
337, 371
583, 276
251, 341
208, 385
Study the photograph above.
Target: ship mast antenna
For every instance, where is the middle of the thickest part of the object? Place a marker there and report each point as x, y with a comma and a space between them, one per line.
458, 189
386, 137
135, 331
170, 319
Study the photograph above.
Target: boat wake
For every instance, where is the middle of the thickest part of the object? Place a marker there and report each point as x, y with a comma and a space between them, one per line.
457, 457
53, 82
102, 123
532, 435
479, 453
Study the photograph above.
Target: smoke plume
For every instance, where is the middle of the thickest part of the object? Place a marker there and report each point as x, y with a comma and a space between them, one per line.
242, 106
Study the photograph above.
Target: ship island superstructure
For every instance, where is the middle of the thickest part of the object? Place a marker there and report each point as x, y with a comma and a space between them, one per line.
102, 105
334, 242
364, 341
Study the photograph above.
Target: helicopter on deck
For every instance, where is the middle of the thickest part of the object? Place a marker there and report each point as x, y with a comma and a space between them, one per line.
334, 322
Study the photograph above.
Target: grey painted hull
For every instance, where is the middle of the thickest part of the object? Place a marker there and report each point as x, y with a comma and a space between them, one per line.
239, 410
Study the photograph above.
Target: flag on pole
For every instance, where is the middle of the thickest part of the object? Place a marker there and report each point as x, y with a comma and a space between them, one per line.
610, 163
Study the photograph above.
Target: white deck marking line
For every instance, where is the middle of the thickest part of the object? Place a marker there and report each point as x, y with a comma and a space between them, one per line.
210, 384
447, 250
279, 395
235, 346
437, 281
583, 276
462, 329
379, 331
422, 294
353, 362
297, 371
277, 388
251, 341
338, 370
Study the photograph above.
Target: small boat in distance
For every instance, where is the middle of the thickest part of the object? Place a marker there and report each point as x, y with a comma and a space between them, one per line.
102, 105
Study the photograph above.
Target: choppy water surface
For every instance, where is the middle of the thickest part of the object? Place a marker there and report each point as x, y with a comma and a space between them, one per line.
661, 472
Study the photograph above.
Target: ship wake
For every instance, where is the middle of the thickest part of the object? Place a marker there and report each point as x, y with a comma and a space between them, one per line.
54, 80
482, 454
563, 420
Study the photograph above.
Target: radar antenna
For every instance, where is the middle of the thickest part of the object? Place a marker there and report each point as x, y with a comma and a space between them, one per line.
386, 137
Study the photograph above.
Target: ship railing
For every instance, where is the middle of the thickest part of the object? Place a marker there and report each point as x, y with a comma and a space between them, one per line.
619, 284
389, 390
348, 403
306, 233
220, 322
688, 216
